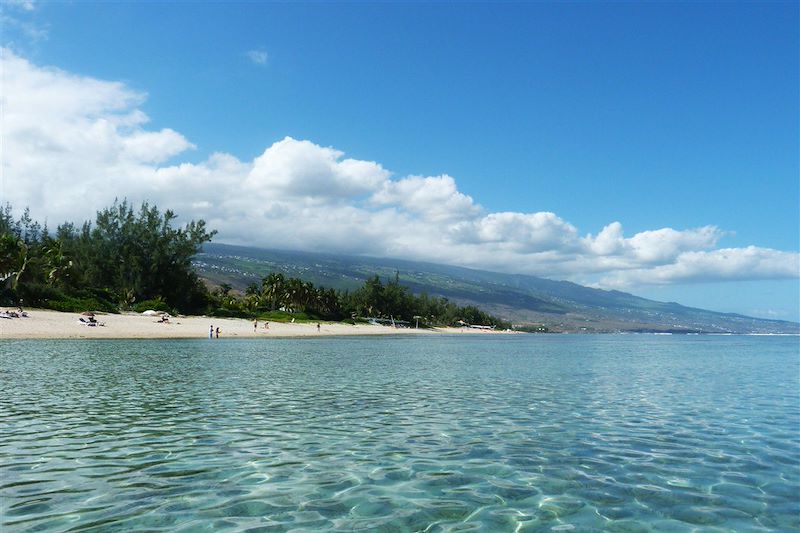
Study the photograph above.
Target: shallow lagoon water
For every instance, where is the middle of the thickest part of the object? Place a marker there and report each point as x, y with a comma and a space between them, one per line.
452, 433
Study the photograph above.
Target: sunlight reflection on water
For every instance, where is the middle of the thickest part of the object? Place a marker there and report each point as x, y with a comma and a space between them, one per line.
462, 433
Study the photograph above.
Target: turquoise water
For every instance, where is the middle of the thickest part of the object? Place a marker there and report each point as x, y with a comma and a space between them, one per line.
462, 433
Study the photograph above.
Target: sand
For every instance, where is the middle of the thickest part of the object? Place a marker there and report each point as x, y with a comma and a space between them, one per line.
46, 324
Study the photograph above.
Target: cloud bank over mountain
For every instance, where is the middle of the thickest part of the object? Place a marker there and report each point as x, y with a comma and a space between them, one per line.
71, 144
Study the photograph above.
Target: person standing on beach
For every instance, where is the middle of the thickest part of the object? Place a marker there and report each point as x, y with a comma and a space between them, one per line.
211, 331
255, 325
317, 327
218, 332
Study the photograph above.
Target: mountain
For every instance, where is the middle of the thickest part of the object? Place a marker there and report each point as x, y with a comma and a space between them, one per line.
524, 300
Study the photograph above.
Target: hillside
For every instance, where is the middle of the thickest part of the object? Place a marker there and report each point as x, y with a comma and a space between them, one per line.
559, 305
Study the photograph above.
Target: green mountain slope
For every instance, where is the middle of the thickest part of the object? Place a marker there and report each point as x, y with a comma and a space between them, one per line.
560, 305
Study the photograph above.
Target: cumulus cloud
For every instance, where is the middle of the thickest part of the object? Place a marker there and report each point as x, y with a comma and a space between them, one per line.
72, 144
291, 168
433, 198
70, 141
730, 264
524, 233
652, 247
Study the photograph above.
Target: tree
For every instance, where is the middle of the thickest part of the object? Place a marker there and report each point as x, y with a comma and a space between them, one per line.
369, 298
295, 294
13, 259
272, 287
143, 253
57, 264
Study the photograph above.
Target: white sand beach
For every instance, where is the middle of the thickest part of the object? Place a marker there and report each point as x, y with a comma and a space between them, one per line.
46, 324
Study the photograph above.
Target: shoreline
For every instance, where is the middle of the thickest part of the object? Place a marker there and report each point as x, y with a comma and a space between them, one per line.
49, 324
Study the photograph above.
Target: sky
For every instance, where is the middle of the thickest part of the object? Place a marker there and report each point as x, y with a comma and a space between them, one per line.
650, 147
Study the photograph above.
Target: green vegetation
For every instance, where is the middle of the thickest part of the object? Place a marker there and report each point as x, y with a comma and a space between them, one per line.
280, 298
121, 259
136, 261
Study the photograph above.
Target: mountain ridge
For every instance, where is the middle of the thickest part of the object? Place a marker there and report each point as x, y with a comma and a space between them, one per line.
520, 298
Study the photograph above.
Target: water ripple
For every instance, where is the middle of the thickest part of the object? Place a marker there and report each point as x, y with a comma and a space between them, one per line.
448, 434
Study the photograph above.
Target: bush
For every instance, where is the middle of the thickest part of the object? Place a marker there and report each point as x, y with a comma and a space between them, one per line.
48, 297
77, 305
37, 294
285, 316
228, 313
156, 304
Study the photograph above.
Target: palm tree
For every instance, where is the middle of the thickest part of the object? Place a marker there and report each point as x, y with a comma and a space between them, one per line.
308, 296
252, 302
329, 302
272, 288
294, 293
225, 299
57, 263
252, 289
13, 259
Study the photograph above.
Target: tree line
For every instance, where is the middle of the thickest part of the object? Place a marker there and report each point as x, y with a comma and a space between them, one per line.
374, 299
125, 257
135, 259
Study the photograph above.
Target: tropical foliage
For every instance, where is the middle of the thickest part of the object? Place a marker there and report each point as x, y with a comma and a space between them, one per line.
374, 299
124, 257
137, 260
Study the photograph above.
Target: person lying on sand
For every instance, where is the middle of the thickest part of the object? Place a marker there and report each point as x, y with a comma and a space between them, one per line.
90, 321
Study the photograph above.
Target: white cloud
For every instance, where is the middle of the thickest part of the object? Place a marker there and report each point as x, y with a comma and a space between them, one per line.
72, 144
729, 264
70, 141
259, 57
433, 198
524, 233
652, 248
291, 168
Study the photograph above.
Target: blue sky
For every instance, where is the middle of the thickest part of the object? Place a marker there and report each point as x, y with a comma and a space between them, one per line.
653, 115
